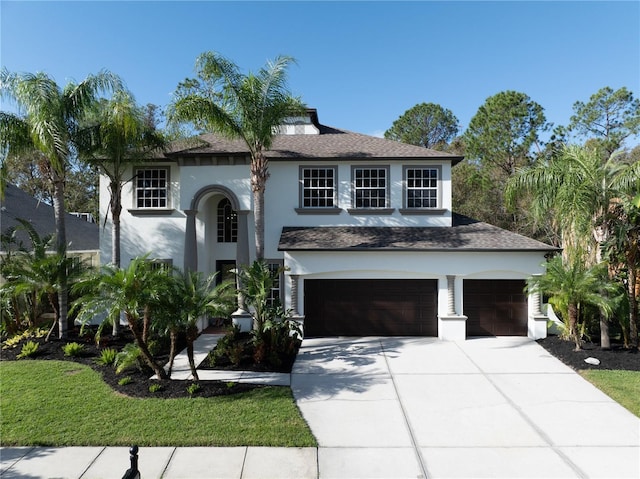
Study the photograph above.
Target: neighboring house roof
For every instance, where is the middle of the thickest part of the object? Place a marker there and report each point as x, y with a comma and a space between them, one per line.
466, 234
81, 235
330, 144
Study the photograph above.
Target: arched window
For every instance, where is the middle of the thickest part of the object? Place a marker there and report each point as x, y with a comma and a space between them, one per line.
227, 222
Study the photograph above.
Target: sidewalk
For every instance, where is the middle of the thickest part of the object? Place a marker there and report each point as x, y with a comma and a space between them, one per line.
159, 462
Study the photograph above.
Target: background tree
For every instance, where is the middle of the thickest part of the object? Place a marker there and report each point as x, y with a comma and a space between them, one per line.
502, 137
249, 107
48, 121
609, 117
426, 124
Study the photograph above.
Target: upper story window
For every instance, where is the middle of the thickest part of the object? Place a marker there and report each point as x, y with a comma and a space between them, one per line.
152, 188
318, 187
422, 187
227, 222
370, 187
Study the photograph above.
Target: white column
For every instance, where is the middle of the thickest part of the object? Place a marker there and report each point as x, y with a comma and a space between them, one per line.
190, 242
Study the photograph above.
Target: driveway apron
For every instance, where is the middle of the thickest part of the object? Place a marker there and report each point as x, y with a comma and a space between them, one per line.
487, 407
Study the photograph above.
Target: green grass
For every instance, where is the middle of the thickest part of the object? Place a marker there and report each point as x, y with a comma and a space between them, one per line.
60, 403
621, 386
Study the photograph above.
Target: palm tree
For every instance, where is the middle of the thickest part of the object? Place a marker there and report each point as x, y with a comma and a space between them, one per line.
249, 107
573, 286
132, 290
574, 191
36, 272
194, 296
49, 121
118, 135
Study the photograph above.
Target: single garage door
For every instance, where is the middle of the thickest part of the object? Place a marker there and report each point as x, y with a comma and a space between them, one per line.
364, 307
495, 307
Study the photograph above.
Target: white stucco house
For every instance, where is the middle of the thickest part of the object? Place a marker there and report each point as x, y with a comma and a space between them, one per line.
363, 225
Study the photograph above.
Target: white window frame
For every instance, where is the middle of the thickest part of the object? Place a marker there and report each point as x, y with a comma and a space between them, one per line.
142, 202
366, 186
314, 189
433, 189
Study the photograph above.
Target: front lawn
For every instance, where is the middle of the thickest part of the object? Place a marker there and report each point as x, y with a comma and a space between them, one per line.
621, 386
62, 403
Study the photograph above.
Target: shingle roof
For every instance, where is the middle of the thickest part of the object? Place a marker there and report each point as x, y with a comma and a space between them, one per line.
81, 235
466, 234
329, 144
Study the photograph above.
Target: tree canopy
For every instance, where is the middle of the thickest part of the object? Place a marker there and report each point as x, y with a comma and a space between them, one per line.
426, 124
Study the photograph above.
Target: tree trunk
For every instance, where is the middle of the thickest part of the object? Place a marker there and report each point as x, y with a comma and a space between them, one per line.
605, 341
192, 334
144, 350
52, 303
633, 306
259, 176
573, 325
146, 323
116, 209
61, 244
173, 335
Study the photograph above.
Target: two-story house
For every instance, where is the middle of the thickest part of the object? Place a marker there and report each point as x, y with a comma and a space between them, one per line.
363, 225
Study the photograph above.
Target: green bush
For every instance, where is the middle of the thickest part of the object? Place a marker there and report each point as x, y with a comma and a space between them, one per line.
129, 358
155, 387
73, 349
125, 380
193, 388
29, 349
107, 357
227, 346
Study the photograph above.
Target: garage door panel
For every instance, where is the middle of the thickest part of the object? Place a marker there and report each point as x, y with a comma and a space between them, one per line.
370, 307
495, 307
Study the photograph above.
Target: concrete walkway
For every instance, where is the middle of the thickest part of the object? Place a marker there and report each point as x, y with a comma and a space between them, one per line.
404, 408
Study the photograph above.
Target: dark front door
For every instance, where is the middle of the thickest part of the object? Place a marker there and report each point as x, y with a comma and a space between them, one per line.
495, 307
370, 307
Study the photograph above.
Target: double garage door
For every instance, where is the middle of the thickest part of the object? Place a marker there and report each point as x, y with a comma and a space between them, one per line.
376, 307
371, 307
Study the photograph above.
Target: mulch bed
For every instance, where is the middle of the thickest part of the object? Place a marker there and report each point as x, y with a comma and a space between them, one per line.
615, 358
140, 382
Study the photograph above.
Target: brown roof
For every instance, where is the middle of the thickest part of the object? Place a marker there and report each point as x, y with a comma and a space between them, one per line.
329, 144
466, 234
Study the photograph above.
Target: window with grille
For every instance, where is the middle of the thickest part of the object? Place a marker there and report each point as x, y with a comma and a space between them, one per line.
274, 298
227, 222
151, 188
421, 187
318, 187
370, 187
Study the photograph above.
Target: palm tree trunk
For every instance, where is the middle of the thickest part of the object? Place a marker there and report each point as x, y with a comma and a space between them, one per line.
173, 335
259, 176
116, 209
192, 334
573, 325
605, 340
144, 350
632, 285
61, 244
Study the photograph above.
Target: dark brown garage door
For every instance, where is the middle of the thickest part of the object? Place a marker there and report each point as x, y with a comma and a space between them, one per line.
366, 307
495, 307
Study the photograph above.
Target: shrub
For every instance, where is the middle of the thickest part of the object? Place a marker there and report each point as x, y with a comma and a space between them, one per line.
225, 346
107, 357
128, 358
29, 349
155, 387
13, 341
193, 388
125, 380
73, 349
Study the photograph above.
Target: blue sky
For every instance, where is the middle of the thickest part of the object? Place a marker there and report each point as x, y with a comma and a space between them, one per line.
361, 64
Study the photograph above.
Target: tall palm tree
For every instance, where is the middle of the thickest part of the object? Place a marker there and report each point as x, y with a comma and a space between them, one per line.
575, 192
117, 136
48, 120
132, 291
249, 107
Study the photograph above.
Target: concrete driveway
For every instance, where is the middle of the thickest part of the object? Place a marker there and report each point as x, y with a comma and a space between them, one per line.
490, 407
